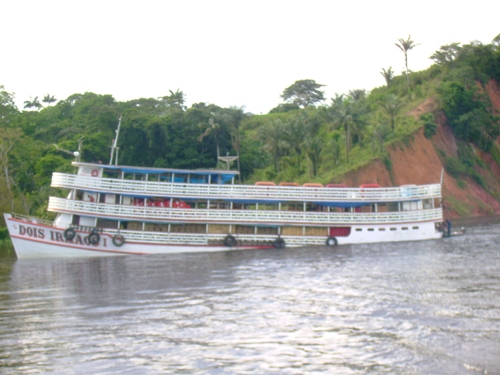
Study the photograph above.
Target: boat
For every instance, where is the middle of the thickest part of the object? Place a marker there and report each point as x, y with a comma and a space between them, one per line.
116, 210
113, 209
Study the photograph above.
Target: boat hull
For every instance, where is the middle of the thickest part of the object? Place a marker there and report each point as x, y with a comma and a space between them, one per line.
34, 240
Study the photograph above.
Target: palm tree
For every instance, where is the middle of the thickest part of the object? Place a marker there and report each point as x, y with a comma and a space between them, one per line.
382, 133
272, 136
405, 46
236, 115
388, 75
213, 127
32, 103
49, 99
341, 113
174, 100
392, 105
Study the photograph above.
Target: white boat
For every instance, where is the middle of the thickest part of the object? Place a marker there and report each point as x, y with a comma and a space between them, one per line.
113, 210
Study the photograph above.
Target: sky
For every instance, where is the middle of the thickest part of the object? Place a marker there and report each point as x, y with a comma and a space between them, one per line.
229, 53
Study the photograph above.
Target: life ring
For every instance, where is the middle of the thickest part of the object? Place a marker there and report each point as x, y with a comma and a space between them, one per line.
94, 238
118, 240
230, 241
331, 241
69, 234
94, 173
279, 243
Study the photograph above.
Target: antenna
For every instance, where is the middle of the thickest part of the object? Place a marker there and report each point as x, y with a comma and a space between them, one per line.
114, 144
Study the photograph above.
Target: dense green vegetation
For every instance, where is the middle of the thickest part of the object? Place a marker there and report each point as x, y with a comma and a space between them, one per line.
303, 139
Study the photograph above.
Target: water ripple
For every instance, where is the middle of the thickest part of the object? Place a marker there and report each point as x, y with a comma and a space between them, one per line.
409, 308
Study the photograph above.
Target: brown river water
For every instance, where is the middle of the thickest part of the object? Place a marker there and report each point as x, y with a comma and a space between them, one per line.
430, 307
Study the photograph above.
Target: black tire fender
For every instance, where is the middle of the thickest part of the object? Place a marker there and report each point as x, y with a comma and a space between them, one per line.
331, 241
118, 240
279, 243
69, 234
94, 238
230, 241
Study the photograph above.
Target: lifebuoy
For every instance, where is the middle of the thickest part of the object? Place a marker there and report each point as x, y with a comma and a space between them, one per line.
94, 238
118, 240
230, 241
331, 241
69, 234
279, 243
94, 173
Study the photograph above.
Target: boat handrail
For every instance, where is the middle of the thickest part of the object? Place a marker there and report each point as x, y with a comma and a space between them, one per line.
306, 218
244, 192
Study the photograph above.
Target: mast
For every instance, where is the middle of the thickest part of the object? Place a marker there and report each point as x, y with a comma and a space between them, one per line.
114, 144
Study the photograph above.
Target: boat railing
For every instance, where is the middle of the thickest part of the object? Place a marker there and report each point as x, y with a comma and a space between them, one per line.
311, 218
32, 219
248, 192
207, 239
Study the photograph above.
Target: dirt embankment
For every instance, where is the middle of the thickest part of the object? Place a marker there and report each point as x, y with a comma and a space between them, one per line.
420, 161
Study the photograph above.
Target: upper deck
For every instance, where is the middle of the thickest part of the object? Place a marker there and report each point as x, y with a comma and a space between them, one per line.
245, 193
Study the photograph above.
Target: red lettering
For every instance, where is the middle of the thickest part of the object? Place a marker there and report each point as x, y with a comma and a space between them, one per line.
59, 237
79, 240
41, 233
22, 230
29, 230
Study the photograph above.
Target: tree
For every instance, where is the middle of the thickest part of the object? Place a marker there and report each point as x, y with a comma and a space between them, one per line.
388, 75
236, 116
32, 103
446, 54
392, 105
496, 40
175, 99
8, 109
10, 138
405, 46
341, 113
382, 132
272, 136
303, 93
49, 99
214, 127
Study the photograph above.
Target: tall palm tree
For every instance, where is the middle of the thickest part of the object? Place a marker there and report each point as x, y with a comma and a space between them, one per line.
49, 99
213, 127
388, 75
236, 114
382, 133
272, 136
32, 103
341, 113
392, 104
405, 46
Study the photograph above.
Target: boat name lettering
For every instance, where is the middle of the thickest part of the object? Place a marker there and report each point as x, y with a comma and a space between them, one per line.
31, 232
58, 236
78, 240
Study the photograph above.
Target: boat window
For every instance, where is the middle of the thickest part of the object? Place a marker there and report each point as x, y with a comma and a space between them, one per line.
381, 229
415, 228
404, 228
370, 229
359, 230
393, 229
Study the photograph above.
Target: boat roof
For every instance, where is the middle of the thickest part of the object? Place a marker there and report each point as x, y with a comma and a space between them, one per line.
150, 170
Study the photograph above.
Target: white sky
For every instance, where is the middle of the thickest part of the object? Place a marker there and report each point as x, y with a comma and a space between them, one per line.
233, 52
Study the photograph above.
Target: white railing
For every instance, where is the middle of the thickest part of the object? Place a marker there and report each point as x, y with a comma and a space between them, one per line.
207, 239
223, 216
244, 192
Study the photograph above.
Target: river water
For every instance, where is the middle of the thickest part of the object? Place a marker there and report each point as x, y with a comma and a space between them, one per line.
429, 307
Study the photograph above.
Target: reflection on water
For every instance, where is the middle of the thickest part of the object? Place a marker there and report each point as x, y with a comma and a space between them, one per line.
414, 308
